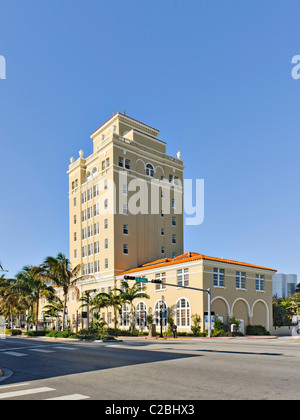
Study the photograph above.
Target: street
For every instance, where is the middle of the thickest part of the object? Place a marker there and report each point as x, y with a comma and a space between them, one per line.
140, 369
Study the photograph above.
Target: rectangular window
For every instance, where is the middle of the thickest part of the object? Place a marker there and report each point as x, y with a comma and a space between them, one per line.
75, 220
75, 236
105, 223
162, 231
125, 249
90, 194
84, 215
125, 209
183, 277
218, 277
84, 233
162, 277
84, 197
127, 163
96, 247
90, 249
106, 263
107, 162
260, 283
103, 165
90, 212
105, 204
162, 249
96, 209
84, 251
96, 190
97, 267
90, 231
240, 280
121, 162
96, 228
84, 270
105, 184
75, 253
90, 268
173, 239
125, 229
105, 243
173, 221
74, 202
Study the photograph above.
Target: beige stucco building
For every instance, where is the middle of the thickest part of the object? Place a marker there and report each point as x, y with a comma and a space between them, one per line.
126, 217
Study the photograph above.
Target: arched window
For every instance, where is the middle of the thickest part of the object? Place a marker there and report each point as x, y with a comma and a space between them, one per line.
88, 176
95, 171
125, 316
160, 308
149, 170
183, 313
141, 315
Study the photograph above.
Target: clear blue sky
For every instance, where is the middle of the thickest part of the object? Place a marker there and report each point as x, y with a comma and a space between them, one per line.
214, 77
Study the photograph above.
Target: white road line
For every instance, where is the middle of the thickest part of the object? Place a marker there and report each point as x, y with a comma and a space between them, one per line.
64, 348
42, 350
14, 353
13, 385
24, 392
72, 397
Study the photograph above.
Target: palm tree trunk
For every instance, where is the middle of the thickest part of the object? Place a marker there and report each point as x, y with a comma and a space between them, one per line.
64, 313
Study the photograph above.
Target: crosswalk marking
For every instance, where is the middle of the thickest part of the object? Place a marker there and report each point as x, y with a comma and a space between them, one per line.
13, 385
64, 348
25, 392
42, 350
33, 391
14, 353
72, 397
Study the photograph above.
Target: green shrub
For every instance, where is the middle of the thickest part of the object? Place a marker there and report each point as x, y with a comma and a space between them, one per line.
256, 330
61, 334
13, 332
35, 333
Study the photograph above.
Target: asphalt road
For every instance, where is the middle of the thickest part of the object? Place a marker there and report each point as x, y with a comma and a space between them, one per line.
139, 369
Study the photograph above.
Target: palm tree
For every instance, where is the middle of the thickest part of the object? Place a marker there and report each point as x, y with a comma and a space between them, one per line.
106, 300
60, 273
129, 294
31, 286
8, 298
87, 301
54, 308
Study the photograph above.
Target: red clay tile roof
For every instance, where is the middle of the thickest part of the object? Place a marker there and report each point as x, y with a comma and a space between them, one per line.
188, 257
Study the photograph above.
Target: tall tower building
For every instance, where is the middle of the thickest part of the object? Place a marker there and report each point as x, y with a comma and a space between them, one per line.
125, 201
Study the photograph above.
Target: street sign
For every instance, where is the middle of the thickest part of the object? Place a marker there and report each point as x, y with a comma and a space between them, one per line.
141, 280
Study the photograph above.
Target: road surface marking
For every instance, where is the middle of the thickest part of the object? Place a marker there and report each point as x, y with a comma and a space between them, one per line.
64, 348
14, 385
14, 353
24, 392
73, 397
42, 350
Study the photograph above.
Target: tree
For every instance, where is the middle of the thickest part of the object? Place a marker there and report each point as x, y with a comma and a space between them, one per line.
31, 286
106, 300
87, 301
54, 309
129, 294
59, 272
